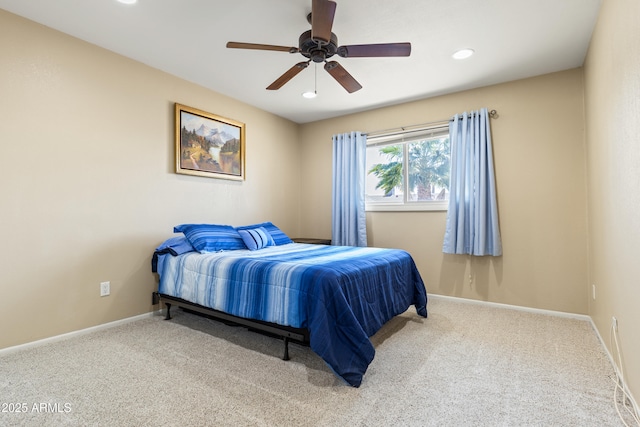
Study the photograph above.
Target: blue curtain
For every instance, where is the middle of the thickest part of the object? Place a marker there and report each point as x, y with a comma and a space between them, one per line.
349, 169
472, 220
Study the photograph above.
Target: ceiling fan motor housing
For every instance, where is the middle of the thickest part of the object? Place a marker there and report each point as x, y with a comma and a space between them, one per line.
316, 50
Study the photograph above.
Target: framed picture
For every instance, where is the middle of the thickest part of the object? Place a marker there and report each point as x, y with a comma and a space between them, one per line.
209, 145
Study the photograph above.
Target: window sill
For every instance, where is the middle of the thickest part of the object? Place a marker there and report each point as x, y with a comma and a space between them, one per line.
409, 207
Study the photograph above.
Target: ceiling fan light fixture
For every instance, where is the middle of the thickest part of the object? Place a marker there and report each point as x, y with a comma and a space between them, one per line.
308, 94
463, 53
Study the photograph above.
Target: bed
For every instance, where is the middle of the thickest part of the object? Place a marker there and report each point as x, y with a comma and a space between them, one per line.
332, 298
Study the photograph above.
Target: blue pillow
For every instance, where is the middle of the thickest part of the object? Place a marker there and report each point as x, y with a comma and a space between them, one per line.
256, 238
211, 237
174, 246
278, 235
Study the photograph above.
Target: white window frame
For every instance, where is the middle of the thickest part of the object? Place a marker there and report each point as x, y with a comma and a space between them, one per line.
407, 137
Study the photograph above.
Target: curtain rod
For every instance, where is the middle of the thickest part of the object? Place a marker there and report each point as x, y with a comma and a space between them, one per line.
414, 128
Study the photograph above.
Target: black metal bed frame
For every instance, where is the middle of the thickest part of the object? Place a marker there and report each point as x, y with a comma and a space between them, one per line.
287, 333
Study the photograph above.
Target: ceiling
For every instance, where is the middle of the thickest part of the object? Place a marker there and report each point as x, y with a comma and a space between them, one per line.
512, 39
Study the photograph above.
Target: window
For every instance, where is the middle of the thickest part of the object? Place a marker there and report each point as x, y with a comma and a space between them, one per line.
408, 171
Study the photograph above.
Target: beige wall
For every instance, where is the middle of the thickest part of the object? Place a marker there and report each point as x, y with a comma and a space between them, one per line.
539, 152
612, 87
87, 184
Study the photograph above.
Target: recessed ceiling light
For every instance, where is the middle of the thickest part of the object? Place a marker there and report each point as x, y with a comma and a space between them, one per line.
462, 53
128, 1
309, 94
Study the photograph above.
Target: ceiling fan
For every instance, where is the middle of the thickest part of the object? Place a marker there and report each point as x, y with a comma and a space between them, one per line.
319, 44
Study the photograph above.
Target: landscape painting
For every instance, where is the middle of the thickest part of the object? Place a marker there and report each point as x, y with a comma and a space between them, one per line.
209, 145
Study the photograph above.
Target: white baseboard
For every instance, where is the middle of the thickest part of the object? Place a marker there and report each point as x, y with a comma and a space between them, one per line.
514, 307
68, 335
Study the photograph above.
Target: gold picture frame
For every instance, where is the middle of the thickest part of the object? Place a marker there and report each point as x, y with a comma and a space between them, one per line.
209, 145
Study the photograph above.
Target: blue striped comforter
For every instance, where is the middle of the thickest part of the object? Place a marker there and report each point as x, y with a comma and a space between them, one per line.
341, 294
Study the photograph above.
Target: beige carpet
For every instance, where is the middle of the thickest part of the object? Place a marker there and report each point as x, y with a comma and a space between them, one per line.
466, 365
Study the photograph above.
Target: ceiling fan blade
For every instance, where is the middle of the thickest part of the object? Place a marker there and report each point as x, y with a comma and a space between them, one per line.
291, 73
341, 75
375, 50
239, 45
322, 14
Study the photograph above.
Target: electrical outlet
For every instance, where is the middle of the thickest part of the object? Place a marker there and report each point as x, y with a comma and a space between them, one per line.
614, 323
593, 291
105, 288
